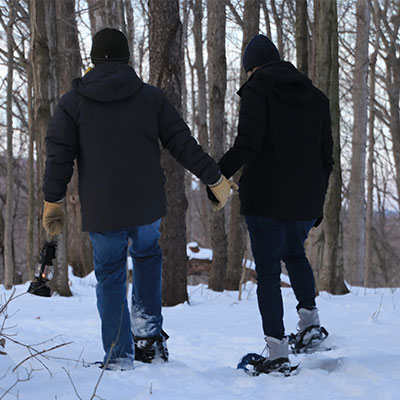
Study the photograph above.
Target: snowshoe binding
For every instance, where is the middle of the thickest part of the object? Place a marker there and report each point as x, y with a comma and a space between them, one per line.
255, 364
148, 350
309, 340
277, 361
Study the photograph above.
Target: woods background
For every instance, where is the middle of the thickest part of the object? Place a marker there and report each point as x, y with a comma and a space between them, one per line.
192, 50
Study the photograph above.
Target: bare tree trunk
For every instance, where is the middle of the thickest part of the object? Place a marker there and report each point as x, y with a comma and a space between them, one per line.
237, 226
165, 42
201, 109
370, 177
97, 15
79, 248
330, 274
44, 61
106, 14
32, 206
185, 28
72, 241
8, 232
266, 16
356, 243
217, 88
115, 14
130, 29
188, 177
279, 26
393, 89
302, 36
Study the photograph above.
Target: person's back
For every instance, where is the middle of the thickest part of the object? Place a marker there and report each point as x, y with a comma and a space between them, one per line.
117, 121
294, 157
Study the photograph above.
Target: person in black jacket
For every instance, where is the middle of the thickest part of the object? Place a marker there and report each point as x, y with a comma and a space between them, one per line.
112, 123
284, 144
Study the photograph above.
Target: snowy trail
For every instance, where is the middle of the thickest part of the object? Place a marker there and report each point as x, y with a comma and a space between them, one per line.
207, 339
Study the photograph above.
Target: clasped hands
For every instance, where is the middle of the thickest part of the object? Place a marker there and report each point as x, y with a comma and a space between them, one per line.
219, 192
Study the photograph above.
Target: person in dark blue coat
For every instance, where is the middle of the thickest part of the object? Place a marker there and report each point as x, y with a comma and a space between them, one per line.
284, 144
112, 123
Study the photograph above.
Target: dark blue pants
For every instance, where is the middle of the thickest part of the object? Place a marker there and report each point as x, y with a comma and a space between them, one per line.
145, 319
273, 240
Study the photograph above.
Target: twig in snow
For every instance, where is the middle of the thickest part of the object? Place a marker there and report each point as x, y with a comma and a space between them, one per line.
40, 353
72, 383
94, 395
18, 380
376, 313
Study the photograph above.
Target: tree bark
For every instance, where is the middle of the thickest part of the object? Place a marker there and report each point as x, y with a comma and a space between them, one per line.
106, 14
370, 177
217, 89
267, 19
237, 226
97, 15
130, 29
302, 36
32, 206
115, 17
392, 82
279, 27
44, 60
201, 109
9, 220
356, 243
330, 271
79, 249
72, 241
165, 43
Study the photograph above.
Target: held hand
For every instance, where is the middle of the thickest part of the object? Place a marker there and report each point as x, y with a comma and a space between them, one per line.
220, 192
53, 218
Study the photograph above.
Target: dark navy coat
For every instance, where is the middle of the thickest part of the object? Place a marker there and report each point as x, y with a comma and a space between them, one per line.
284, 144
112, 123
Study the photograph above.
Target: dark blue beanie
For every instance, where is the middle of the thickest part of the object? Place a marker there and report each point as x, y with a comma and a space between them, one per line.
259, 51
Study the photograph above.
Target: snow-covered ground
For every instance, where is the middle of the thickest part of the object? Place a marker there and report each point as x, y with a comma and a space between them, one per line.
207, 338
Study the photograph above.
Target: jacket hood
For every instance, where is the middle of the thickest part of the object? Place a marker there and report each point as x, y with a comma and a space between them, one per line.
108, 82
282, 77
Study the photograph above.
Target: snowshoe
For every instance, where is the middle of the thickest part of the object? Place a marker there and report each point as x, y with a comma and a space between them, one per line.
254, 364
109, 366
151, 349
309, 340
277, 361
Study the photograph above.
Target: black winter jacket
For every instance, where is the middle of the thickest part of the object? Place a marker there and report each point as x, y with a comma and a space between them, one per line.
285, 144
112, 123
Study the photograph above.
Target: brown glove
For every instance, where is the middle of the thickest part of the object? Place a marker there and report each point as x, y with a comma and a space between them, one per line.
53, 218
222, 190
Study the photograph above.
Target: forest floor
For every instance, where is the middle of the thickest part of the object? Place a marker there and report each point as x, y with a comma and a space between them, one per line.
208, 336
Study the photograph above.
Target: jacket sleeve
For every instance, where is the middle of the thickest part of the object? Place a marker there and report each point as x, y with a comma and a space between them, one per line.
327, 147
251, 129
61, 148
175, 136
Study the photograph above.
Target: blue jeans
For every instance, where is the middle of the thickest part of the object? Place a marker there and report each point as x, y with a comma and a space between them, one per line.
145, 320
273, 240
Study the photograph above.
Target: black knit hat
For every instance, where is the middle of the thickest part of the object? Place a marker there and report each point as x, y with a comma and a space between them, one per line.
259, 51
109, 44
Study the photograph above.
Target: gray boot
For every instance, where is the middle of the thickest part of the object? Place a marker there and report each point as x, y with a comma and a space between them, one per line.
277, 348
277, 359
307, 318
310, 333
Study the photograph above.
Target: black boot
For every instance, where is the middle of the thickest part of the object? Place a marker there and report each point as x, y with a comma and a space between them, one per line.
152, 348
